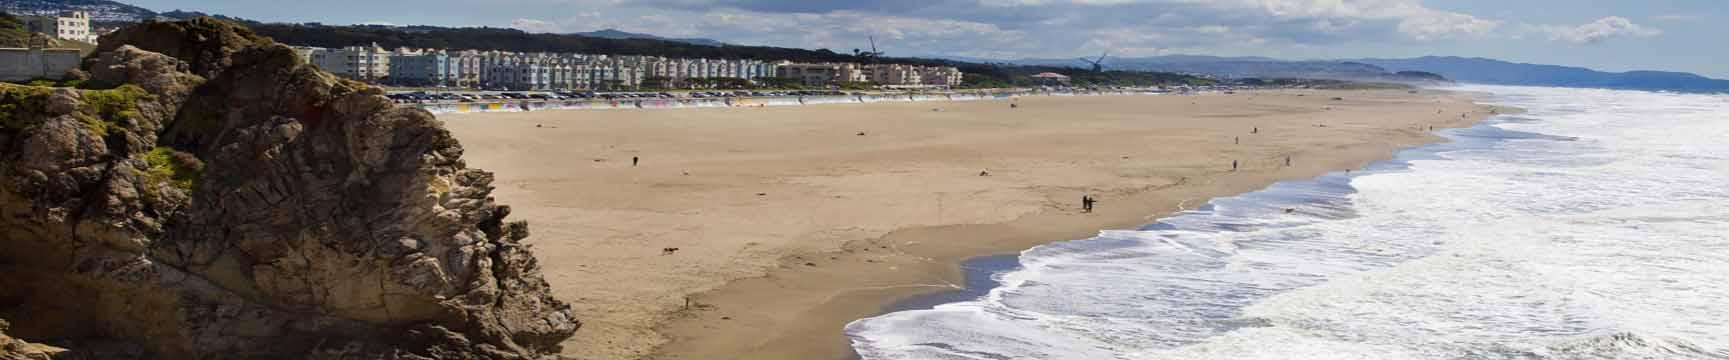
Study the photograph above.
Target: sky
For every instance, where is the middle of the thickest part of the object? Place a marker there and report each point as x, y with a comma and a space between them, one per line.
1671, 35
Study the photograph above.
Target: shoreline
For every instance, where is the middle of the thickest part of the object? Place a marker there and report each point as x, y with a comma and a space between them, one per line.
758, 233
980, 272
815, 332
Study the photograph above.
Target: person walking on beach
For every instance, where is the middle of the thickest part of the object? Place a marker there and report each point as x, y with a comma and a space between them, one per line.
1087, 203
1233, 165
634, 160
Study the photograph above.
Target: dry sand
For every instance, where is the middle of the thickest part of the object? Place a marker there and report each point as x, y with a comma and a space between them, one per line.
789, 224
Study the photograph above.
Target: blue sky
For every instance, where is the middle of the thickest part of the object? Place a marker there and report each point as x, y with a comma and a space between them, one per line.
1674, 35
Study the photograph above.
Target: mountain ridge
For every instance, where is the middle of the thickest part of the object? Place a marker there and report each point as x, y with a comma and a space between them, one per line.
1500, 72
621, 34
1478, 70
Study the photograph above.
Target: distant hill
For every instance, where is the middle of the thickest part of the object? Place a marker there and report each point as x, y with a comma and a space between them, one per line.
1497, 72
1251, 67
102, 12
618, 34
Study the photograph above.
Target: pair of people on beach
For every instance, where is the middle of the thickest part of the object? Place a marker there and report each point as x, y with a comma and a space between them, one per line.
1087, 202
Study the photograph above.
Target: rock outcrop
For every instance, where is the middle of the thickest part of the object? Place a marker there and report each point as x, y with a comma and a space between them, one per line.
226, 200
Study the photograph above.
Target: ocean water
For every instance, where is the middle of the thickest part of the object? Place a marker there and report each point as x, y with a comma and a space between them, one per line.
1595, 226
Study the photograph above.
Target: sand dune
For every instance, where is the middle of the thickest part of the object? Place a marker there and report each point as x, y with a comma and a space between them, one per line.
789, 223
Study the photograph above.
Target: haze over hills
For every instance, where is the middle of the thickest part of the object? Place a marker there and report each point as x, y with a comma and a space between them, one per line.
1497, 72
1251, 67
1462, 69
620, 34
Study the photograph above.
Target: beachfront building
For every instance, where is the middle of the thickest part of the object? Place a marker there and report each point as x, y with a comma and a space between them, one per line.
432, 67
944, 76
894, 74
413, 67
822, 74
73, 26
364, 63
503, 70
1051, 79
369, 63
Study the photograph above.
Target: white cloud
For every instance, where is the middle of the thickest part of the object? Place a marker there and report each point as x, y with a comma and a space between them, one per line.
1598, 31
1677, 17
1444, 25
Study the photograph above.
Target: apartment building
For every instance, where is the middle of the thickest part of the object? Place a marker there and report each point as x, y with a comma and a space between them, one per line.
73, 26
365, 63
822, 74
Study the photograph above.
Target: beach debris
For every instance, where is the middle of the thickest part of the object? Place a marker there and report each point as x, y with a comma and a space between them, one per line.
668, 251
1335, 98
536, 125
1290, 210
726, 318
861, 133
809, 264
761, 194
984, 173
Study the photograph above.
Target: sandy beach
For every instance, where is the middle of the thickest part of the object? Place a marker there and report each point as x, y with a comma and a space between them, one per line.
789, 222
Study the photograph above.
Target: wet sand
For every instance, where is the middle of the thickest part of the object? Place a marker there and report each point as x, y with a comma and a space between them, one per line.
789, 223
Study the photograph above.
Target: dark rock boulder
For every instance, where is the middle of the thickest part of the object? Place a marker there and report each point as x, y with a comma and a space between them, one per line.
228, 200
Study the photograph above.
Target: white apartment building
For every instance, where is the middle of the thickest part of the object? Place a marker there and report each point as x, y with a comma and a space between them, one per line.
365, 63
73, 26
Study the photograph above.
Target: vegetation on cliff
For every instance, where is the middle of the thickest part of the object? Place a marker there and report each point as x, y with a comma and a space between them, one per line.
221, 198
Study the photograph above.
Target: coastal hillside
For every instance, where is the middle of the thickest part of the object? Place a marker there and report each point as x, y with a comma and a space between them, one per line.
619, 34
1254, 67
102, 12
206, 194
1491, 71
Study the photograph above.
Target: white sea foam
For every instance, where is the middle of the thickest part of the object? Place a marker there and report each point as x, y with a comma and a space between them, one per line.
1592, 227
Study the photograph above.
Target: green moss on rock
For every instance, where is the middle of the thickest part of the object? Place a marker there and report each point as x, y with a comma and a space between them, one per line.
174, 167
18, 101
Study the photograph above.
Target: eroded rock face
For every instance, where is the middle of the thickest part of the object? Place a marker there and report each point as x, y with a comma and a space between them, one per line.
239, 203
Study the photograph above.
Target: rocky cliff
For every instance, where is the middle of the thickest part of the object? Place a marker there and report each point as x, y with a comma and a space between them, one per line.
222, 199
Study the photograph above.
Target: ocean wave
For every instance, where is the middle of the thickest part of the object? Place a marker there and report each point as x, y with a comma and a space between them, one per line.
1588, 227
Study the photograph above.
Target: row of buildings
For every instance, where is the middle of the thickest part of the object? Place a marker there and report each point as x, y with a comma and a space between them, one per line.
566, 71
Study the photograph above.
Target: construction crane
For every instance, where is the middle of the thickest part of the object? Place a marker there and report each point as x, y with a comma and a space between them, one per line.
869, 56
